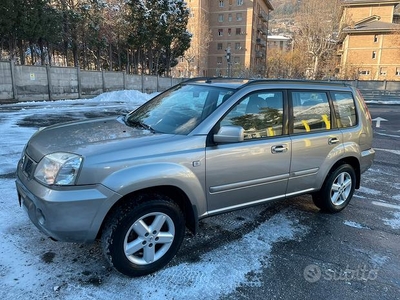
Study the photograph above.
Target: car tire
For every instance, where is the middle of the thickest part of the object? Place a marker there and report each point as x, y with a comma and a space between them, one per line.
337, 189
142, 236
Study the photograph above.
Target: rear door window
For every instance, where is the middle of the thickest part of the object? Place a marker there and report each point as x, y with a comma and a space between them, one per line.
345, 110
311, 111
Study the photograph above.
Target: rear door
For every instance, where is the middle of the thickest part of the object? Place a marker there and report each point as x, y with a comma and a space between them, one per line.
257, 169
316, 140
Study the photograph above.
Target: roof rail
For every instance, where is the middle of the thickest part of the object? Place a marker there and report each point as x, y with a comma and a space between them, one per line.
251, 81
210, 79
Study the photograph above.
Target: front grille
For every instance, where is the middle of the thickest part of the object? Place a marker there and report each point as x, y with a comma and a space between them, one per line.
28, 166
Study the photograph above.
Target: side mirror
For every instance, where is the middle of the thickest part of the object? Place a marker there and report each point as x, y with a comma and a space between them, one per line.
229, 134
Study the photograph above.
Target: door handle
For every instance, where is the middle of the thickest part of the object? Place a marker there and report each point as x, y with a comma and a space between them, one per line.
279, 148
333, 141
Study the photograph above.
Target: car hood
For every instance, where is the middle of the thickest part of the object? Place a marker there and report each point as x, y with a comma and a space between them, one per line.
84, 137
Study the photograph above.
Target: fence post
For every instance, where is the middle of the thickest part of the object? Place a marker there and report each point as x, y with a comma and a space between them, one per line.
158, 78
49, 85
78, 76
13, 84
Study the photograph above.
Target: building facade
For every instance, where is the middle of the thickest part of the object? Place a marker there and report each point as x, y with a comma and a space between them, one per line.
369, 40
279, 42
229, 38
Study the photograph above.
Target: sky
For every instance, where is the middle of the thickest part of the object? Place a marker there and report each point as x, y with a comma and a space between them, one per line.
34, 267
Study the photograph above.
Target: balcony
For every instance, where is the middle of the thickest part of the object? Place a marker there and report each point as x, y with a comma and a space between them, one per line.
261, 43
260, 54
263, 16
262, 28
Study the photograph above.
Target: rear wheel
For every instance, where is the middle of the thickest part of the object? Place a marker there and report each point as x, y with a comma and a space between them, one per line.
142, 237
337, 189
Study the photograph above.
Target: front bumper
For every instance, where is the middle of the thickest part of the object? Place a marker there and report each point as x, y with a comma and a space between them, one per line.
73, 213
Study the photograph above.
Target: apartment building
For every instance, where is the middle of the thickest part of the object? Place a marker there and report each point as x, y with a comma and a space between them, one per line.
229, 38
369, 40
279, 42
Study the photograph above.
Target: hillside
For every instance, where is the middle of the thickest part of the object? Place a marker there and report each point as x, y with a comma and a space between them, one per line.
282, 17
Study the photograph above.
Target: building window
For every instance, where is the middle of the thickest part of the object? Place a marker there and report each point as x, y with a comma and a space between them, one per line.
220, 18
398, 71
219, 60
230, 2
219, 46
238, 31
239, 2
220, 32
221, 3
364, 72
373, 54
229, 31
230, 17
237, 46
375, 38
239, 17
236, 60
383, 71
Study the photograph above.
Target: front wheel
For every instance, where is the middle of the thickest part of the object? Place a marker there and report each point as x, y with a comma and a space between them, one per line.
142, 237
337, 189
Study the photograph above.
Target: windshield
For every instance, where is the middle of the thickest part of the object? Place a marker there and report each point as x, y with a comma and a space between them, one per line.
179, 110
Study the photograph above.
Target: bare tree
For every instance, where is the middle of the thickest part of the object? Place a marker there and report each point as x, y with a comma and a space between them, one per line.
317, 23
196, 56
286, 64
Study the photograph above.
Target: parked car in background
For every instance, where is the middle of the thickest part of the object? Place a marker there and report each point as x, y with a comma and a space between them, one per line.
204, 147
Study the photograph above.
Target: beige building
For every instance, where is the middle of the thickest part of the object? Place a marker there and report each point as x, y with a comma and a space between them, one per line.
369, 47
229, 38
279, 42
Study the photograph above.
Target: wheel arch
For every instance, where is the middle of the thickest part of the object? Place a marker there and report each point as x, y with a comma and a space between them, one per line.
353, 162
176, 194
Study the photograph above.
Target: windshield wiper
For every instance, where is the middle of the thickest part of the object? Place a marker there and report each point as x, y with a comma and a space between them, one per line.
139, 124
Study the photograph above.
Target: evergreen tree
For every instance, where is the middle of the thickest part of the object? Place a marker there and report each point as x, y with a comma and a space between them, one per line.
159, 33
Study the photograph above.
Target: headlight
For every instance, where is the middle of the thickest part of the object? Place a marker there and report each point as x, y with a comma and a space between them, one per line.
58, 168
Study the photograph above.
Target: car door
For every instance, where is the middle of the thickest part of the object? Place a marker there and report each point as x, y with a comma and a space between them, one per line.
316, 141
257, 168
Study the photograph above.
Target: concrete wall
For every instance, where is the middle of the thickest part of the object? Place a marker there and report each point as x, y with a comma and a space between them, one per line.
27, 83
6, 87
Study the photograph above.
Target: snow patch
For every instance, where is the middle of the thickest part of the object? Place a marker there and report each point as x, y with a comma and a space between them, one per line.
395, 222
220, 271
369, 191
354, 225
382, 102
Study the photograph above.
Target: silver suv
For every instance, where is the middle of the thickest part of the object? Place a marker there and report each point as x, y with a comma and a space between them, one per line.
201, 148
